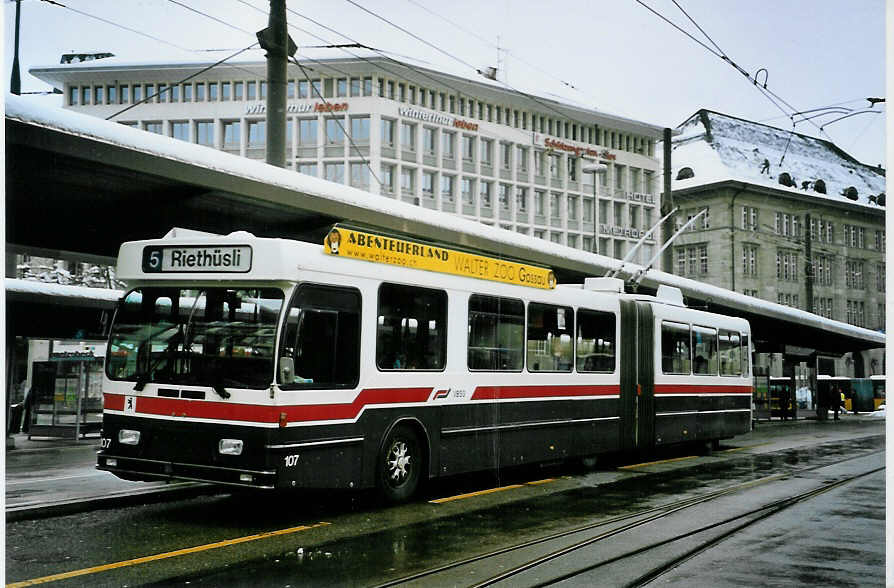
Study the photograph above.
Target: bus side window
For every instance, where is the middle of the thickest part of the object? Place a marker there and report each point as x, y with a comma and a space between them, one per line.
595, 341
550, 338
411, 328
322, 336
704, 350
730, 353
675, 356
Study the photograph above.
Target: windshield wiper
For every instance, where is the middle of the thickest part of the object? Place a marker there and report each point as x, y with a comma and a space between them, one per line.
218, 387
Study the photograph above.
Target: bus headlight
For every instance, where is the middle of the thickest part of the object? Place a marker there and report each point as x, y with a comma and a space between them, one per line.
128, 437
230, 447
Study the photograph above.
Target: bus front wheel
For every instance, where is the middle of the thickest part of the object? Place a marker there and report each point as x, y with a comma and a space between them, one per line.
400, 465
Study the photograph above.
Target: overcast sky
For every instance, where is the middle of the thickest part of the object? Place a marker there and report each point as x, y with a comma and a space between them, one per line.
613, 55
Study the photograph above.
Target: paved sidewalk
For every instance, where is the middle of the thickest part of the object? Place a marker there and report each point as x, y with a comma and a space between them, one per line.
50, 476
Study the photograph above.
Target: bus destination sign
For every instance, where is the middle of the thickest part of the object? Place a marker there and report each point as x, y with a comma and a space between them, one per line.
200, 259
346, 242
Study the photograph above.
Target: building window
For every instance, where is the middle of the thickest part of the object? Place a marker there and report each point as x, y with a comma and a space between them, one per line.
588, 210
521, 159
408, 181
539, 203
408, 136
187, 92
309, 169
335, 134
487, 152
72, 95
225, 91
204, 132
485, 193
341, 87
447, 144
572, 208
307, 131
880, 277
388, 178
880, 240
554, 166
428, 140
428, 184
786, 266
200, 92
504, 196
232, 132
360, 130
468, 148
749, 260
505, 155
571, 163
335, 172
360, 175
262, 90
521, 199
153, 127
555, 206
180, 130
112, 94
237, 90
387, 132
853, 274
447, 188
749, 218
257, 133
468, 195
212, 92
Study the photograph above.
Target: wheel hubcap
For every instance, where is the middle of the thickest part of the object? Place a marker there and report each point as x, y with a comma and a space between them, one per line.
398, 462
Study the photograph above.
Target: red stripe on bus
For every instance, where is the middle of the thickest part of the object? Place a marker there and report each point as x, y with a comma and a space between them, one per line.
515, 392
257, 413
700, 389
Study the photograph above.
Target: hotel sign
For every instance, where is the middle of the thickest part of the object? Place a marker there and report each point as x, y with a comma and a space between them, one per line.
293, 108
437, 117
345, 242
616, 231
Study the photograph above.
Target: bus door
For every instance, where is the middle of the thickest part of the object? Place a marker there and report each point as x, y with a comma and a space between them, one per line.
637, 403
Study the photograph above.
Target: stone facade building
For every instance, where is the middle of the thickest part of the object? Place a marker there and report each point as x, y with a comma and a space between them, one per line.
788, 218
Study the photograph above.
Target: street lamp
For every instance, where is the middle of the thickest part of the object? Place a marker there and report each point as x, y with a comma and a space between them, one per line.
595, 168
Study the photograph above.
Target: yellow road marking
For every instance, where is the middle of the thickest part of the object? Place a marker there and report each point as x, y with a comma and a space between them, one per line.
471, 494
148, 558
642, 465
538, 482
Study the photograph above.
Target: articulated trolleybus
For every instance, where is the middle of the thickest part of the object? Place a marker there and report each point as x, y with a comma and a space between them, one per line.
378, 362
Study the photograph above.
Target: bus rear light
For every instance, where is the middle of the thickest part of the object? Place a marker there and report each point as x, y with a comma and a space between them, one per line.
283, 419
230, 447
128, 437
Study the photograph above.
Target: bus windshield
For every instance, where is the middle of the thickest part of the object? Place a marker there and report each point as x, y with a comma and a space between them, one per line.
219, 337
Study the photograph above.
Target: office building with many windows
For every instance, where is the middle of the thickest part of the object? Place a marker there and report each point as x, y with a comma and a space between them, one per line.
469, 147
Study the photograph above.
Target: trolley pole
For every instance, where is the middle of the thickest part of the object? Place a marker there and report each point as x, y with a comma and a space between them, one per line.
275, 40
667, 205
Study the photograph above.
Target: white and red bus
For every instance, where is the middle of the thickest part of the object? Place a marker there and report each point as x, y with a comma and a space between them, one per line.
376, 361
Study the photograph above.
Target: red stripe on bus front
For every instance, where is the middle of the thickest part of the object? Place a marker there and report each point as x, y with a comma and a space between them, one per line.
700, 389
258, 413
516, 392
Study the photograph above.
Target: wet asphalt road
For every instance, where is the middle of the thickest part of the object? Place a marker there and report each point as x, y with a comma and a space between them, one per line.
351, 541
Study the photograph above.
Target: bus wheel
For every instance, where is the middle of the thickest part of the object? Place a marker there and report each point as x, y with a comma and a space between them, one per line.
400, 465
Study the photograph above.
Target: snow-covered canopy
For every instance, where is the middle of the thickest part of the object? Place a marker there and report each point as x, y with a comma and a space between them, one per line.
718, 147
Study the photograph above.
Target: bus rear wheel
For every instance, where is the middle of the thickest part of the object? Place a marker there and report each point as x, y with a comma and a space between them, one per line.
400, 465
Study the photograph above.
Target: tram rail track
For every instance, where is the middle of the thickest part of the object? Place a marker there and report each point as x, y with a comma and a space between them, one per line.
629, 522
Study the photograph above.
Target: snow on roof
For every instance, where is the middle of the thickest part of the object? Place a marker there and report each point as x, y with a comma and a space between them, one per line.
719, 147
62, 292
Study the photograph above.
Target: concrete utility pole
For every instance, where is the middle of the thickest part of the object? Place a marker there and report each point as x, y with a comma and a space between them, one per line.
808, 264
275, 39
667, 205
15, 83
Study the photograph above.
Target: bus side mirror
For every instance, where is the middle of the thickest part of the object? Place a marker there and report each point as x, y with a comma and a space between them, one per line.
286, 370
